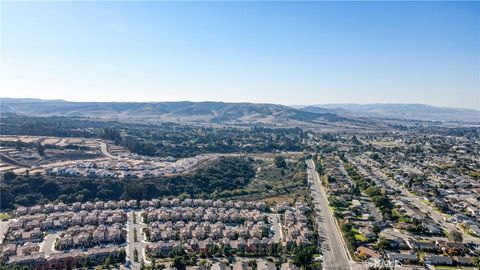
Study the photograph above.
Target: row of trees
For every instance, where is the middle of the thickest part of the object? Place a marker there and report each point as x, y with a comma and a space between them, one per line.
46, 126
378, 196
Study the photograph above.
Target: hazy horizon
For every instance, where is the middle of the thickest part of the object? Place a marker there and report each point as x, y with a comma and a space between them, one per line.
290, 53
200, 101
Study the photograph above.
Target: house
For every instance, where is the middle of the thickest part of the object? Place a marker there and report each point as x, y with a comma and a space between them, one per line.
98, 254
368, 232
432, 228
356, 205
240, 266
34, 261
8, 251
457, 247
36, 209
219, 266
465, 261
475, 230
473, 211
265, 265
369, 253
65, 260
403, 257
201, 267
21, 211
459, 218
289, 266
438, 260
396, 243
161, 248
420, 245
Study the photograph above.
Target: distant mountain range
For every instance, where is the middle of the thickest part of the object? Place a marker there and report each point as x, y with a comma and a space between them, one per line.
398, 111
237, 113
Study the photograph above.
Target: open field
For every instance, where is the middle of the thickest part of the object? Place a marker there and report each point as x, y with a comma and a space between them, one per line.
385, 143
5, 216
279, 198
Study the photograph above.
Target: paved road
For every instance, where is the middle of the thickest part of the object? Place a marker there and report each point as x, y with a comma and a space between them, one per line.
139, 244
47, 245
276, 227
332, 244
4, 229
104, 149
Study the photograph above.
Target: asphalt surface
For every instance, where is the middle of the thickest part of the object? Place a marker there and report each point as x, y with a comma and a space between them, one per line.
139, 244
104, 149
47, 245
332, 244
276, 227
3, 229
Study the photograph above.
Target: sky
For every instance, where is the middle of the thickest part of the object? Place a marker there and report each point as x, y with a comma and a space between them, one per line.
292, 53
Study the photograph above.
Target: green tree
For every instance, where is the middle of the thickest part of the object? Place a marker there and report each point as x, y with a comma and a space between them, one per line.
9, 175
304, 256
135, 255
455, 236
40, 149
476, 262
382, 243
154, 263
280, 162
6, 197
178, 262
122, 255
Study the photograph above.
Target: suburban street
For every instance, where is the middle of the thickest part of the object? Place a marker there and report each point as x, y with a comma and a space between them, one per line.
332, 244
104, 149
139, 245
4, 228
276, 227
48, 245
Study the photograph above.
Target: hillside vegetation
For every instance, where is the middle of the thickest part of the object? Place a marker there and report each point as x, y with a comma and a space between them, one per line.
185, 111
225, 173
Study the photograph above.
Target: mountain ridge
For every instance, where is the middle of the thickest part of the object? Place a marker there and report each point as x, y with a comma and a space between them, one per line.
236, 112
182, 111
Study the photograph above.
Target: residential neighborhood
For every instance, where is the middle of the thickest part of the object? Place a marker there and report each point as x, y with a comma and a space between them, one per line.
54, 236
405, 199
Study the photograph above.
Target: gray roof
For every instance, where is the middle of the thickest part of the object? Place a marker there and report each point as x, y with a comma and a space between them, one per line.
402, 256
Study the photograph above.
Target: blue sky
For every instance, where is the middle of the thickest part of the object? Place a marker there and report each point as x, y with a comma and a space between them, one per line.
276, 52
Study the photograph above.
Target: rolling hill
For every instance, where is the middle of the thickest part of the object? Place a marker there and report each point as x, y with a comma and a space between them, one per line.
184, 111
329, 115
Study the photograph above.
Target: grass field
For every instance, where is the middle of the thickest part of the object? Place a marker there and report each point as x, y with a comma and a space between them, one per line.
4, 216
385, 143
277, 199
273, 185
360, 238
